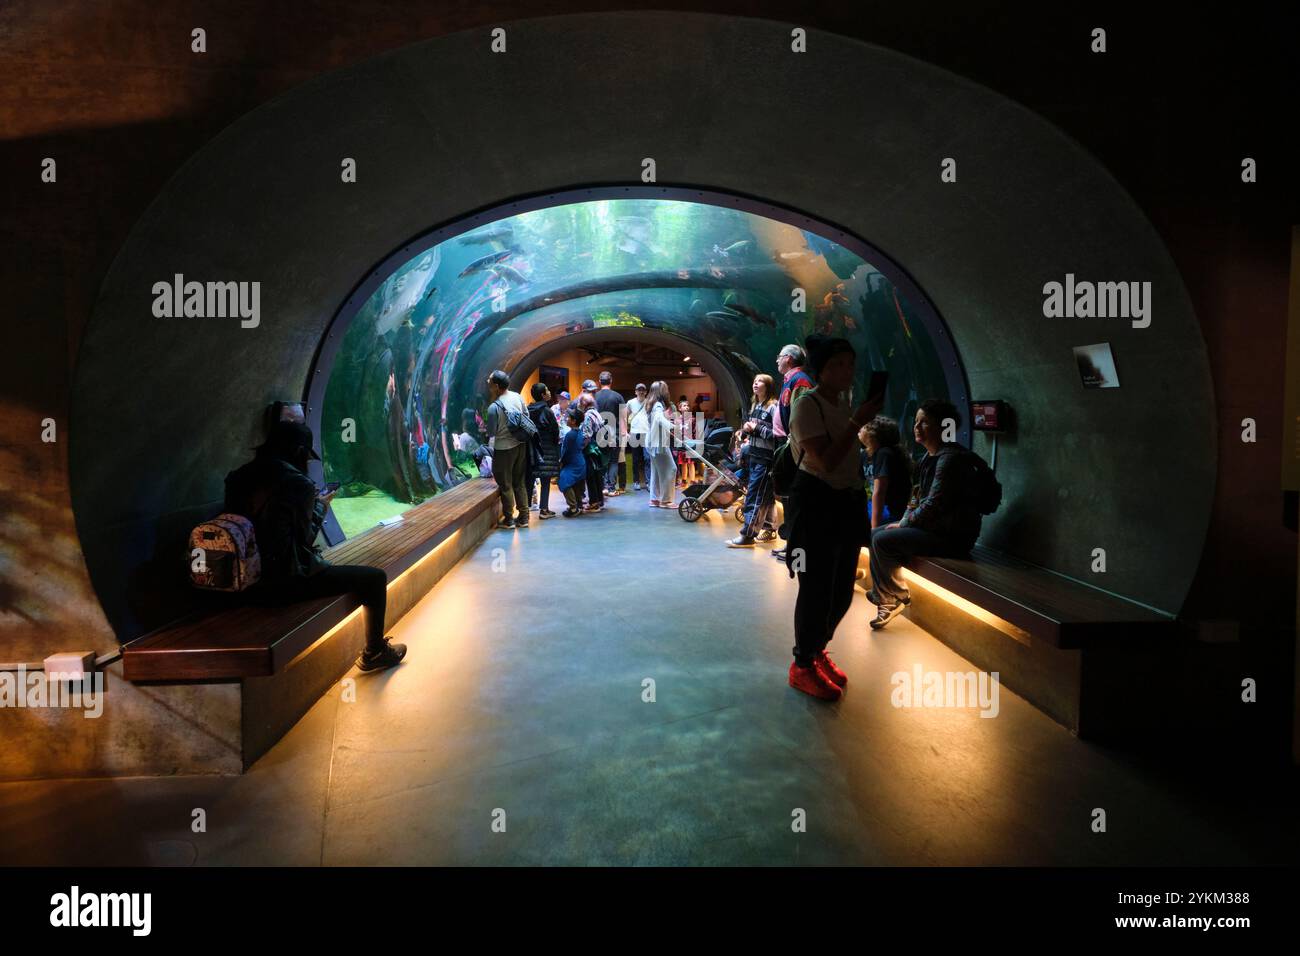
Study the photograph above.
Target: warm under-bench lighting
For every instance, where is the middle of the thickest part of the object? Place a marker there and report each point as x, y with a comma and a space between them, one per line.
974, 610
961, 604
302, 655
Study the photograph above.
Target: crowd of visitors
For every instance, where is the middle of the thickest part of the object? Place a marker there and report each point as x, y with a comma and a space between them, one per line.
853, 484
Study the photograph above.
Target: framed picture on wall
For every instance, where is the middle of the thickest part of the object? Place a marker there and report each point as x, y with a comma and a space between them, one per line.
554, 378
1096, 366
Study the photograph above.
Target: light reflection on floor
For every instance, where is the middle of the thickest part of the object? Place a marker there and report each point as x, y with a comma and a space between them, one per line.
523, 693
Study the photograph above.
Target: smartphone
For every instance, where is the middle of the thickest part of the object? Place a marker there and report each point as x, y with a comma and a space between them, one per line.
331, 487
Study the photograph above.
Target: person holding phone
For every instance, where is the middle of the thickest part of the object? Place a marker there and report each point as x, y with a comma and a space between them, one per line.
826, 512
287, 509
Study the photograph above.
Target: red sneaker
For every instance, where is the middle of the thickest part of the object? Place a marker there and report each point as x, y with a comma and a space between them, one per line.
831, 670
811, 680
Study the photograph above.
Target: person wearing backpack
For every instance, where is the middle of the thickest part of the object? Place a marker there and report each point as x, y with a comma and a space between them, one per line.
595, 453
510, 433
274, 492
954, 489
545, 460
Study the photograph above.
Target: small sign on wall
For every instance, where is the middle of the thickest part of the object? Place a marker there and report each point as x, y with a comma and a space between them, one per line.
1096, 366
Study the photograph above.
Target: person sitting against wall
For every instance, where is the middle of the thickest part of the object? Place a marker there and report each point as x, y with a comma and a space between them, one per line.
941, 518
826, 513
275, 493
573, 463
509, 454
544, 463
888, 470
761, 446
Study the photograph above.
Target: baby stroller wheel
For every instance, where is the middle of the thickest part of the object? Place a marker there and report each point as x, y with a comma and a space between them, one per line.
740, 512
690, 509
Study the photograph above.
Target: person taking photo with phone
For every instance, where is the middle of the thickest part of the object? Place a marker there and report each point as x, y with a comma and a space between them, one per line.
826, 512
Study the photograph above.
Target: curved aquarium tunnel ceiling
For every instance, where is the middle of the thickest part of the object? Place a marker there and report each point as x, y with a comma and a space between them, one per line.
733, 284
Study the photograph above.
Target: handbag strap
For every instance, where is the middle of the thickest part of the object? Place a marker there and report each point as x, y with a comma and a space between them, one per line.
821, 411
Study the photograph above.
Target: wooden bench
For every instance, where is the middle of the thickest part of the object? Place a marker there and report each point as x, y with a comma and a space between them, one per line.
1073, 649
253, 641
1064, 612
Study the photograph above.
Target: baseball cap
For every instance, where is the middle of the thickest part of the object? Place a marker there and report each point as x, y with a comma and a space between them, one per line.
288, 436
588, 386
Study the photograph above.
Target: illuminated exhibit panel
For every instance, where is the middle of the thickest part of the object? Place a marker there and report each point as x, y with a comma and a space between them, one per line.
410, 372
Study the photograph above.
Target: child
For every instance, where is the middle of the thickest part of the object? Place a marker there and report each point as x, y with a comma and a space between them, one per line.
686, 429
573, 463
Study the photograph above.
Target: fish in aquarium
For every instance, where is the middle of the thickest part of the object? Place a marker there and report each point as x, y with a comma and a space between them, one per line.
483, 262
508, 273
402, 293
634, 235
747, 362
753, 314
834, 305
735, 249
481, 237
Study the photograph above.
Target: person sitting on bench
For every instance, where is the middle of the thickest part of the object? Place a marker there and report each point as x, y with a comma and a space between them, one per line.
275, 493
940, 520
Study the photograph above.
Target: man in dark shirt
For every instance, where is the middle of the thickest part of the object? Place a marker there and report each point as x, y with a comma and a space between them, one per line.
610, 403
940, 520
275, 493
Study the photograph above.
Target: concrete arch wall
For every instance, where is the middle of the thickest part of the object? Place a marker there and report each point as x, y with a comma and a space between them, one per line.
848, 133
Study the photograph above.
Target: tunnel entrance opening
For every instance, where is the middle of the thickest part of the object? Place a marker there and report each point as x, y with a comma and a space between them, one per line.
688, 367
398, 396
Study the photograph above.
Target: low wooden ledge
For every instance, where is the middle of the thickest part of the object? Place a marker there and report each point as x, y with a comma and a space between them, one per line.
1066, 613
253, 641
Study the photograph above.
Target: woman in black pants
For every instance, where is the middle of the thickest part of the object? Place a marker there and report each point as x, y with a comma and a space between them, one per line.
544, 462
826, 513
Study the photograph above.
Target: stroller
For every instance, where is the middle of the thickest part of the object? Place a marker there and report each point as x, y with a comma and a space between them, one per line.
724, 490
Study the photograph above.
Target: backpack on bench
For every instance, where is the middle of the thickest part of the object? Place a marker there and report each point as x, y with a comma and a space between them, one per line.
223, 554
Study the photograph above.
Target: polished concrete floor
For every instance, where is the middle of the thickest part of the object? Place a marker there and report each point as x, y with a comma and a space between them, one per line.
522, 700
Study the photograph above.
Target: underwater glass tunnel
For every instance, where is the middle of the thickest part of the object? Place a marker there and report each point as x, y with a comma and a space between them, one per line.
726, 279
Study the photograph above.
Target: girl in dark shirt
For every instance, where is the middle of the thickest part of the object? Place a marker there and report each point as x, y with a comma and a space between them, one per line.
889, 470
